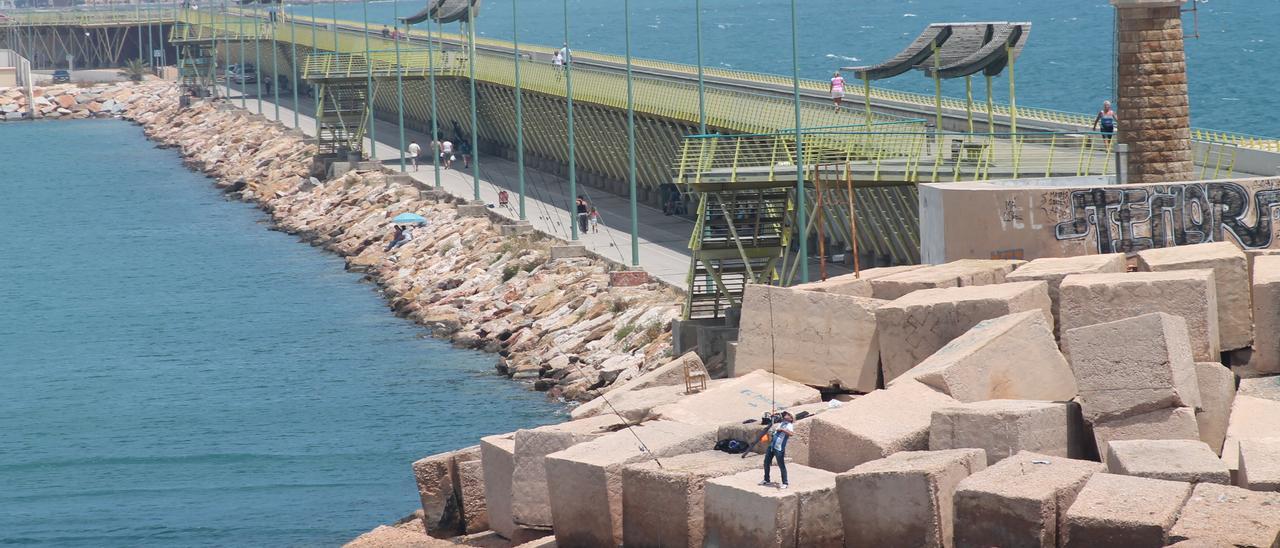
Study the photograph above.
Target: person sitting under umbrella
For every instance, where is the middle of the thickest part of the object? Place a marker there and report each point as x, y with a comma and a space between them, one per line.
400, 238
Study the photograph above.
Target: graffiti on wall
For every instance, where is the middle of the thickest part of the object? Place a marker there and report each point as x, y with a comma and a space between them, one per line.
1125, 219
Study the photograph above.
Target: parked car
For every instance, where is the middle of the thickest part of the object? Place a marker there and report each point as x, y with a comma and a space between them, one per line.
243, 74
60, 76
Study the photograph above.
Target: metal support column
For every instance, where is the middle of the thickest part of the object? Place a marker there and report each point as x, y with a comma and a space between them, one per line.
274, 16
968, 100
568, 89
631, 142
801, 203
435, 126
702, 91
395, 19
293, 53
369, 94
515, 39
257, 55
240, 66
475, 124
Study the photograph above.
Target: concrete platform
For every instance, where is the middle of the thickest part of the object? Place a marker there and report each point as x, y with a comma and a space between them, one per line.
735, 400
875, 426
663, 506
1020, 501
1002, 428
1260, 464
1053, 270
1231, 282
1189, 461
962, 273
1114, 510
1222, 515
741, 513
1088, 299
904, 499
531, 500
1176, 423
1217, 392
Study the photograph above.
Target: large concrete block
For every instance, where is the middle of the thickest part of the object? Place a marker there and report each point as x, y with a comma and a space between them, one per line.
585, 481
855, 285
667, 374
633, 405
915, 326
1266, 314
663, 505
1221, 515
1217, 391
812, 337
1132, 366
498, 455
1053, 270
740, 512
739, 399
1115, 510
904, 499
475, 509
1231, 282
1019, 501
530, 498
440, 490
1176, 423
1003, 428
1251, 418
875, 426
1088, 299
1260, 464
962, 273
1267, 388
1188, 461
1011, 357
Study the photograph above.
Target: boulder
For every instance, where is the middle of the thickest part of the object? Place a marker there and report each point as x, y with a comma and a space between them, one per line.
1132, 366
904, 499
812, 337
1259, 464
1251, 418
913, 327
1176, 423
875, 426
962, 273
1019, 501
1113, 510
663, 505
530, 498
1190, 461
1230, 278
65, 101
585, 481
855, 285
1222, 515
735, 400
1217, 391
1003, 428
1011, 357
741, 512
1090, 299
1053, 270
497, 453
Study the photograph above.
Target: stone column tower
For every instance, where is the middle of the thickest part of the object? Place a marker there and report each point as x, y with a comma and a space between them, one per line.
1152, 103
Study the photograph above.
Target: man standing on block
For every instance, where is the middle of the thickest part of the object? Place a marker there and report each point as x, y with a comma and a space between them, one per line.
782, 432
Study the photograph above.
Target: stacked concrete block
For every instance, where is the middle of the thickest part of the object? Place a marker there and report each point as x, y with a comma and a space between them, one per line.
741, 512
915, 326
1251, 418
1230, 278
1267, 388
663, 505
1003, 428
1114, 510
855, 285
1260, 464
1132, 366
475, 508
1217, 391
1174, 423
962, 273
812, 337
1010, 357
739, 399
441, 492
1019, 501
1221, 515
633, 405
1089, 299
498, 455
1053, 270
530, 497
904, 499
585, 481
875, 426
1190, 461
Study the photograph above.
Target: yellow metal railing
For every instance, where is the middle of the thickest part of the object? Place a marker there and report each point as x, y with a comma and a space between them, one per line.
87, 18
413, 63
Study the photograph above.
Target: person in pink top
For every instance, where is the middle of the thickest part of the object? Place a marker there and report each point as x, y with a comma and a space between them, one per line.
837, 89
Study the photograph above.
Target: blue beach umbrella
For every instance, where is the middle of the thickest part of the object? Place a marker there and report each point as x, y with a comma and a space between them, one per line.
409, 218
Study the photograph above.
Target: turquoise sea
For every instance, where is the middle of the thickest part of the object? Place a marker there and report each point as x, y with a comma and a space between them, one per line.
172, 373
1066, 66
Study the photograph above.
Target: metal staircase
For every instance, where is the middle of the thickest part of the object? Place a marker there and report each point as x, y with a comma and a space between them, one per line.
343, 103
197, 62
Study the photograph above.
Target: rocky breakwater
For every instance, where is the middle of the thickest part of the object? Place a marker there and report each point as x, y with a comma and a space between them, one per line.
73, 101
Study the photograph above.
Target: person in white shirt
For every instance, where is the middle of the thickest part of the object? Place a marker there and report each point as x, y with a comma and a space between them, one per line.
837, 89
446, 153
414, 151
779, 435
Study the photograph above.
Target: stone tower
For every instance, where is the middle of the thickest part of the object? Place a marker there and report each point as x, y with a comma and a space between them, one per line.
1152, 100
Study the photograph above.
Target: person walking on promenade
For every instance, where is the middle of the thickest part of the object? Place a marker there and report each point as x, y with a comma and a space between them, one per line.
594, 219
583, 214
386, 32
782, 432
446, 153
414, 152
837, 89
1107, 119
464, 147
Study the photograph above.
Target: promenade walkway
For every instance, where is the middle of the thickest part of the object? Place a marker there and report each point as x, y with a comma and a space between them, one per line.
663, 239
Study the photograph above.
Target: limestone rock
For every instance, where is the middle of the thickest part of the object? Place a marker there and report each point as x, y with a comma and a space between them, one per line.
1260, 464
1229, 516
1231, 281
1266, 314
1019, 501
1251, 418
1089, 299
663, 505
1176, 423
904, 499
1188, 461
497, 453
531, 502
740, 512
1053, 270
1113, 510
1003, 428
1217, 392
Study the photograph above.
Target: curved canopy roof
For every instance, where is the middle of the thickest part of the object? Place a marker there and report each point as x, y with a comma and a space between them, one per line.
444, 11
963, 49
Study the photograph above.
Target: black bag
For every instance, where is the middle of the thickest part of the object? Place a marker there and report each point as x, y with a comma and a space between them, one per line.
731, 446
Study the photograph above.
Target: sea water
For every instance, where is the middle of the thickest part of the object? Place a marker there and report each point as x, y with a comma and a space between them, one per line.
1066, 64
174, 373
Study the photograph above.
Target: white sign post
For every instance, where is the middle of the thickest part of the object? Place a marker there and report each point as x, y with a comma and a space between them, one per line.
71, 61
